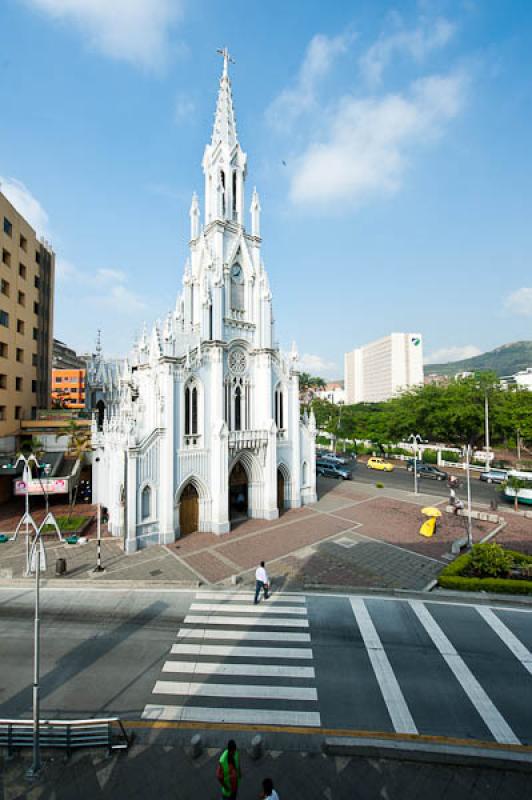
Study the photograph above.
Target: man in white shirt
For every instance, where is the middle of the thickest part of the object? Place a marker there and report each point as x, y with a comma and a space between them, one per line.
268, 792
261, 582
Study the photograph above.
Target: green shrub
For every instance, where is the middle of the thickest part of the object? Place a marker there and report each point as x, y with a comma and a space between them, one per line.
322, 440
398, 451
454, 576
430, 457
489, 561
379, 485
66, 524
450, 455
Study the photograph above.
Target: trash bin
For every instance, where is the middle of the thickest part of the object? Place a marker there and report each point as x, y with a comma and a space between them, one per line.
60, 566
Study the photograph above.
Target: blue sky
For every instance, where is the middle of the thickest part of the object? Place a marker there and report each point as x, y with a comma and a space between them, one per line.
405, 199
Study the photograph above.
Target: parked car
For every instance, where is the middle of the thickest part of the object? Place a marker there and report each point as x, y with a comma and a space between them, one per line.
333, 458
427, 471
380, 464
494, 475
333, 470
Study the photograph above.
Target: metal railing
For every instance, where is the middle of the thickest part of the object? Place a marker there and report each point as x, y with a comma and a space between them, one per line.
64, 734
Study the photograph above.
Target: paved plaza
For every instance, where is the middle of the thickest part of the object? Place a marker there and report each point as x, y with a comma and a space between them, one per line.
356, 535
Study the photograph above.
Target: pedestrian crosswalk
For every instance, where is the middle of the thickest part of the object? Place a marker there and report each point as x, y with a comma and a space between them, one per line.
236, 662
411, 666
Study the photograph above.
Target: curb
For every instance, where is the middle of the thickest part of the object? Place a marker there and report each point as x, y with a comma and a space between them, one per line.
430, 752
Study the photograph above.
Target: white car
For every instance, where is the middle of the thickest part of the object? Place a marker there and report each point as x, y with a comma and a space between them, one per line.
333, 459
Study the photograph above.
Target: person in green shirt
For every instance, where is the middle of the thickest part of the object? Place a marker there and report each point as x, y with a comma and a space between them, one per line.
228, 771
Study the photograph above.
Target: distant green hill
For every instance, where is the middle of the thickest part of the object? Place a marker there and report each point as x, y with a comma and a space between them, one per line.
505, 360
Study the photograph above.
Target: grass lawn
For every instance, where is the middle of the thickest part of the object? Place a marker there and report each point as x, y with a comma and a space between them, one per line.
66, 524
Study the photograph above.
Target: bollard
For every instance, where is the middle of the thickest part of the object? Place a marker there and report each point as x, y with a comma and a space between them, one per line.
196, 746
256, 747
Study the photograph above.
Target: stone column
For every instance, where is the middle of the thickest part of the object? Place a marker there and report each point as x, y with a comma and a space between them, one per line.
219, 479
131, 501
167, 458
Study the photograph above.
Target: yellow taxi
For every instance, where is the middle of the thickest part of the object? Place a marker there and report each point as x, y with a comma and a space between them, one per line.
380, 464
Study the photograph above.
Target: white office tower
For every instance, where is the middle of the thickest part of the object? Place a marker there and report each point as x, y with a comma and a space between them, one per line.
206, 428
383, 369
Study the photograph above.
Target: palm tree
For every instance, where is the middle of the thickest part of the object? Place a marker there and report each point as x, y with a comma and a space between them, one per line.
79, 443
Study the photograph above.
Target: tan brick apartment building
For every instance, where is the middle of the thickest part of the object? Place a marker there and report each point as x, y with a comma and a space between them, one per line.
27, 268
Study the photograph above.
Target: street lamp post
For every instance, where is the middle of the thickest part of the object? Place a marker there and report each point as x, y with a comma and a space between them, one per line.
415, 438
467, 453
487, 429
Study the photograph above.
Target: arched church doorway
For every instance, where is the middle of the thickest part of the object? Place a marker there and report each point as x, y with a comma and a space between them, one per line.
280, 490
189, 510
238, 493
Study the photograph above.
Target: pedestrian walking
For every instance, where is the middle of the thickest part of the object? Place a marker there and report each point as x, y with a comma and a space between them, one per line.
228, 771
268, 792
261, 582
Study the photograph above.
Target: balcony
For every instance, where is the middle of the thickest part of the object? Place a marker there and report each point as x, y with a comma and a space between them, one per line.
247, 440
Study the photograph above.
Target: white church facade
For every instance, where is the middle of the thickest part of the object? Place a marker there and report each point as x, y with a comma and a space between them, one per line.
202, 425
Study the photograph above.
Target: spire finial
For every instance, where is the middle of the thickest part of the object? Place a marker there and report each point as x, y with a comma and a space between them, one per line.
99, 344
227, 60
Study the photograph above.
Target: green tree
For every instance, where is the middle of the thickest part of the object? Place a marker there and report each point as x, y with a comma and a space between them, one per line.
517, 485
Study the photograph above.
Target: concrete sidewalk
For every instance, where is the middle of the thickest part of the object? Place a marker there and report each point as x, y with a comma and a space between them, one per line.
165, 771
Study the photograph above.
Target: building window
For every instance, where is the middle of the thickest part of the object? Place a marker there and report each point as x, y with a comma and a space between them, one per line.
20, 326
35, 333
6, 257
4, 287
20, 355
18, 384
34, 359
145, 504
237, 288
34, 386
8, 227
22, 270
191, 410
58, 379
4, 319
37, 282
2, 412
37, 256
279, 408
36, 308
21, 299
34, 412
3, 381
23, 243
3, 345
18, 412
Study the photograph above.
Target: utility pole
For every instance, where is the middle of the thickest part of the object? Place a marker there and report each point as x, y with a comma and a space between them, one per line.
487, 429
98, 567
468, 478
518, 444
415, 438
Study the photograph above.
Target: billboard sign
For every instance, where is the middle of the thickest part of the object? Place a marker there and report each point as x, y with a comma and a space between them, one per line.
48, 485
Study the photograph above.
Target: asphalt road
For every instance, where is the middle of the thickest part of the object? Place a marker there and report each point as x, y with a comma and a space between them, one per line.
400, 478
335, 662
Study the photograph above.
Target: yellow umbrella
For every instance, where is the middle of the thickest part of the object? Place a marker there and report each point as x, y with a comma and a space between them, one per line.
428, 527
431, 511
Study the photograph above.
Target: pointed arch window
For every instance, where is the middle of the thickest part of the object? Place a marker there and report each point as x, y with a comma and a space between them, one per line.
222, 182
279, 408
191, 410
145, 503
238, 409
234, 187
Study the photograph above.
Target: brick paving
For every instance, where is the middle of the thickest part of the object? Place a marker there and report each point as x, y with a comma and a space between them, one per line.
303, 548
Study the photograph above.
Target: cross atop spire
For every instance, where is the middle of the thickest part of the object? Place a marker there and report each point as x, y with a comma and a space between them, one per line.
224, 121
227, 60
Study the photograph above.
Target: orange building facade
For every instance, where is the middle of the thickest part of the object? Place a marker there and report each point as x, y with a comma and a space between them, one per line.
68, 388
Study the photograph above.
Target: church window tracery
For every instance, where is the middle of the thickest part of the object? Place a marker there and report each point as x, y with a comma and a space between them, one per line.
279, 408
191, 410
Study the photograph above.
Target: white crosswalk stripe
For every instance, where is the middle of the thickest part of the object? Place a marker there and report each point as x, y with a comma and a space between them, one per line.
223, 639
492, 717
511, 641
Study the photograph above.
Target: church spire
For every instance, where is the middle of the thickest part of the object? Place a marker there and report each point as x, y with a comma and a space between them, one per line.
224, 129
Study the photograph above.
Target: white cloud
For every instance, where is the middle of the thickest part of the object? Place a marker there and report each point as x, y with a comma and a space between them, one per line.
108, 285
445, 354
416, 43
316, 365
26, 204
184, 108
367, 141
300, 98
121, 300
128, 30
520, 302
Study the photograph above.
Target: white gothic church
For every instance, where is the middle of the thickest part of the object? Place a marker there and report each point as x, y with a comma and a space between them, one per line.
202, 425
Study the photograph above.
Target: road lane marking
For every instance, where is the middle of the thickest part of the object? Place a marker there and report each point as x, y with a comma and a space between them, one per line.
492, 717
511, 641
238, 596
248, 609
393, 697
223, 668
252, 716
238, 636
210, 619
241, 650
241, 691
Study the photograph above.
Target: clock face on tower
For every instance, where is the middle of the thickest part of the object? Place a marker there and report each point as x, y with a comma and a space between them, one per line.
236, 273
